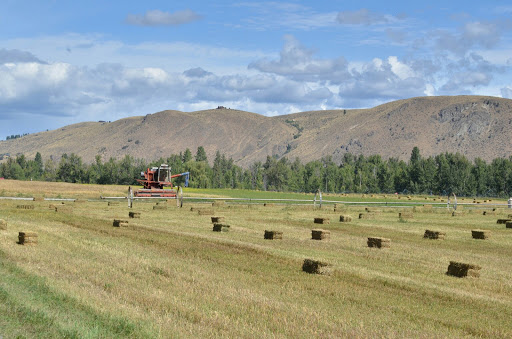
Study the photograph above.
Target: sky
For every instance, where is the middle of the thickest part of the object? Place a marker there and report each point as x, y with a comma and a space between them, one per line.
64, 62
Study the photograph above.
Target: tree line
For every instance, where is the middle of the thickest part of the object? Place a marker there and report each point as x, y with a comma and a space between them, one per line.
440, 175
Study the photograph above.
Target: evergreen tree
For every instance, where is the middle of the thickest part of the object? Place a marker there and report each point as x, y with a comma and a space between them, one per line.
201, 154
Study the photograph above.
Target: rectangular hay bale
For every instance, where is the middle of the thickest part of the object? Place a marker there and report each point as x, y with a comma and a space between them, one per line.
368, 216
378, 242
119, 223
503, 221
218, 227
462, 270
405, 215
27, 238
25, 207
205, 212
345, 218
480, 234
319, 234
321, 220
217, 219
273, 235
429, 234
316, 267
159, 207
3, 225
134, 215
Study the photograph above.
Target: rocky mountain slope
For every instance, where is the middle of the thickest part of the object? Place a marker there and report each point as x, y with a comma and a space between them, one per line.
476, 126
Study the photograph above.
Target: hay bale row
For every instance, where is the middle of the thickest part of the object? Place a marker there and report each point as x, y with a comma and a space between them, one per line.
3, 225
217, 220
120, 222
273, 235
503, 221
508, 224
319, 234
339, 207
27, 238
372, 210
38, 199
378, 242
321, 220
205, 212
134, 215
480, 234
345, 218
461, 270
429, 234
218, 227
316, 267
457, 214
159, 207
25, 207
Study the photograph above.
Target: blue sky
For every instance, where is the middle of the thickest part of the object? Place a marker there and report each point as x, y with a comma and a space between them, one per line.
64, 62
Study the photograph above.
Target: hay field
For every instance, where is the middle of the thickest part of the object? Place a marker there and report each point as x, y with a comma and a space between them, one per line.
166, 274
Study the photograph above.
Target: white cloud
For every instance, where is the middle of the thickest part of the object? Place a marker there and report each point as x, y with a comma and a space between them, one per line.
364, 17
506, 92
274, 15
160, 18
297, 62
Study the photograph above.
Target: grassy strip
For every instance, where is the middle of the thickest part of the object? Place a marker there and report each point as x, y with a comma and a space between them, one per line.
29, 308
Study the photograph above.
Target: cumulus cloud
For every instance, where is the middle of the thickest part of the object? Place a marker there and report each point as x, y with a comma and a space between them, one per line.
471, 34
468, 73
197, 72
297, 62
506, 92
363, 17
381, 80
15, 55
160, 18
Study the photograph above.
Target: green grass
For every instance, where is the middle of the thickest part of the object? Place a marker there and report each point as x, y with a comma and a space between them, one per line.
168, 275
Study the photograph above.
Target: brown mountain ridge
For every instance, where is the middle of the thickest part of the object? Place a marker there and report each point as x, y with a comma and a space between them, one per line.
476, 126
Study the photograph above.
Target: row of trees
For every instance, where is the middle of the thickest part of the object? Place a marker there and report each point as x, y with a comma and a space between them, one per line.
15, 136
442, 174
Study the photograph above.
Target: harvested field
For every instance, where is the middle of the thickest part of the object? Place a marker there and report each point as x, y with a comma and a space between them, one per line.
169, 275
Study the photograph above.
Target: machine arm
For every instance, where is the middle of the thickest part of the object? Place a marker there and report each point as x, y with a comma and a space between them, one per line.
184, 174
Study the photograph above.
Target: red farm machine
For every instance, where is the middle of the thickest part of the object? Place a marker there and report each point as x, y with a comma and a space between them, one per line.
155, 179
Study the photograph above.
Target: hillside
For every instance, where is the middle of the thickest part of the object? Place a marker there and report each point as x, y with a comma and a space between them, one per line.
476, 126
